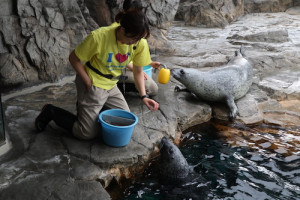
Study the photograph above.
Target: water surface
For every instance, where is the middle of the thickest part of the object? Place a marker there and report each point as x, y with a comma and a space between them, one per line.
231, 161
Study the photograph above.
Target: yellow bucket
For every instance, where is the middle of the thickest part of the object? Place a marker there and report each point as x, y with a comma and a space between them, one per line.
164, 75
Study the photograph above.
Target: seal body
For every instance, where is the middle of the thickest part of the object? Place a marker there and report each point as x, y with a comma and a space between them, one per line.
224, 84
174, 168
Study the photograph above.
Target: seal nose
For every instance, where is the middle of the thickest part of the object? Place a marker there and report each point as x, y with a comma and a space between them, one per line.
162, 142
172, 71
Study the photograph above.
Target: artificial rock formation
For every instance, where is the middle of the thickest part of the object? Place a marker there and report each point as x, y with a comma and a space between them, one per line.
210, 13
37, 36
216, 13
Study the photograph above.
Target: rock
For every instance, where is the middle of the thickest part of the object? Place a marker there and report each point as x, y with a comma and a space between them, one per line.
258, 6
161, 13
55, 186
210, 13
294, 10
270, 36
41, 34
10, 66
158, 42
249, 112
100, 12
84, 170
292, 105
282, 86
51, 165
74, 163
274, 54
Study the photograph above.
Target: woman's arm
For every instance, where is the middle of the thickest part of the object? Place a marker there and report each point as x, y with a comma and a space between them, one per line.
138, 74
154, 64
79, 68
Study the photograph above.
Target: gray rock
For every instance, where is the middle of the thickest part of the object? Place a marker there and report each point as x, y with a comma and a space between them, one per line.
210, 13
41, 34
257, 6
294, 10
161, 13
284, 85
270, 36
84, 170
83, 164
6, 7
52, 165
99, 10
10, 66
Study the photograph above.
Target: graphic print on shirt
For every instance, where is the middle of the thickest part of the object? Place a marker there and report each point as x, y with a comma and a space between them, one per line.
120, 58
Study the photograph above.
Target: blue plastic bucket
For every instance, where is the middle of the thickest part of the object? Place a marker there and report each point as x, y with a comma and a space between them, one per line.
148, 70
117, 135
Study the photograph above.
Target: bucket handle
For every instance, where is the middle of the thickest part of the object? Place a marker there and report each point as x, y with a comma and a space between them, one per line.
161, 66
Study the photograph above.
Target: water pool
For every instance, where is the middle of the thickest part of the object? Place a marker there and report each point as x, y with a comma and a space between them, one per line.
232, 162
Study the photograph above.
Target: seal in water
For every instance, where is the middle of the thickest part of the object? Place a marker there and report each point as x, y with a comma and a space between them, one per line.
174, 167
227, 83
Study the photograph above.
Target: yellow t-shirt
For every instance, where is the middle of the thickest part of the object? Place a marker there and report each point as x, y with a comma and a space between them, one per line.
107, 55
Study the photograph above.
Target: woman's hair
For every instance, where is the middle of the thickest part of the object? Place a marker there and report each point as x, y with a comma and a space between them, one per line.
135, 24
133, 20
129, 5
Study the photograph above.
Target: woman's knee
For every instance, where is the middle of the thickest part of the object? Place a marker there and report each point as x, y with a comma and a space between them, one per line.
151, 88
85, 132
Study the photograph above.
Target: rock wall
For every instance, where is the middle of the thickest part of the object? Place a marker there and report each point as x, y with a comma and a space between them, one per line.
255, 6
36, 36
36, 39
210, 13
219, 13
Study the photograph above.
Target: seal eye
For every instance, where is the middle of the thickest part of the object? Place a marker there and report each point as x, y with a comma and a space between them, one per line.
181, 71
171, 151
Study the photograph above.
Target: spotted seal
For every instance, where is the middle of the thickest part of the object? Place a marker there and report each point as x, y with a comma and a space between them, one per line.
174, 167
223, 84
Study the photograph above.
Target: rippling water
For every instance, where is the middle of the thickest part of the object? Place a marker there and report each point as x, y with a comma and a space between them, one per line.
232, 162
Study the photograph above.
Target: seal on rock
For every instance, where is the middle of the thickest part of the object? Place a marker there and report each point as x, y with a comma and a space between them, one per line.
224, 84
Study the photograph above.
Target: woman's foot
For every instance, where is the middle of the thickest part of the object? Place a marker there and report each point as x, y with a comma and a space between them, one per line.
43, 118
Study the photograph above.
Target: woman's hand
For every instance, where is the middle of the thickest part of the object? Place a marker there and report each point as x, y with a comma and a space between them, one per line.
79, 68
140, 85
146, 76
155, 64
88, 83
151, 104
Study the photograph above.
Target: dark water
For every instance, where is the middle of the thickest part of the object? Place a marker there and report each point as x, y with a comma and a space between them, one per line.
232, 162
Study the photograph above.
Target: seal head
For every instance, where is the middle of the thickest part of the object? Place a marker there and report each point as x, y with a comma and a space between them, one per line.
173, 166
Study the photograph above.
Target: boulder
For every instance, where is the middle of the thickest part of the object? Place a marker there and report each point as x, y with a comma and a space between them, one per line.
263, 6
210, 13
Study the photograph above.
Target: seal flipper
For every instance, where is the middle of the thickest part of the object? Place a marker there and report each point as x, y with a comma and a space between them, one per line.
232, 107
242, 51
181, 89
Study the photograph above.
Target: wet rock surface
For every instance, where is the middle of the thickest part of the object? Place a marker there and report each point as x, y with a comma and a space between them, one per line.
53, 165
272, 46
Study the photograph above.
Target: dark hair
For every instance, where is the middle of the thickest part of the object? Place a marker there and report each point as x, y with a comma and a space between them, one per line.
135, 24
129, 5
